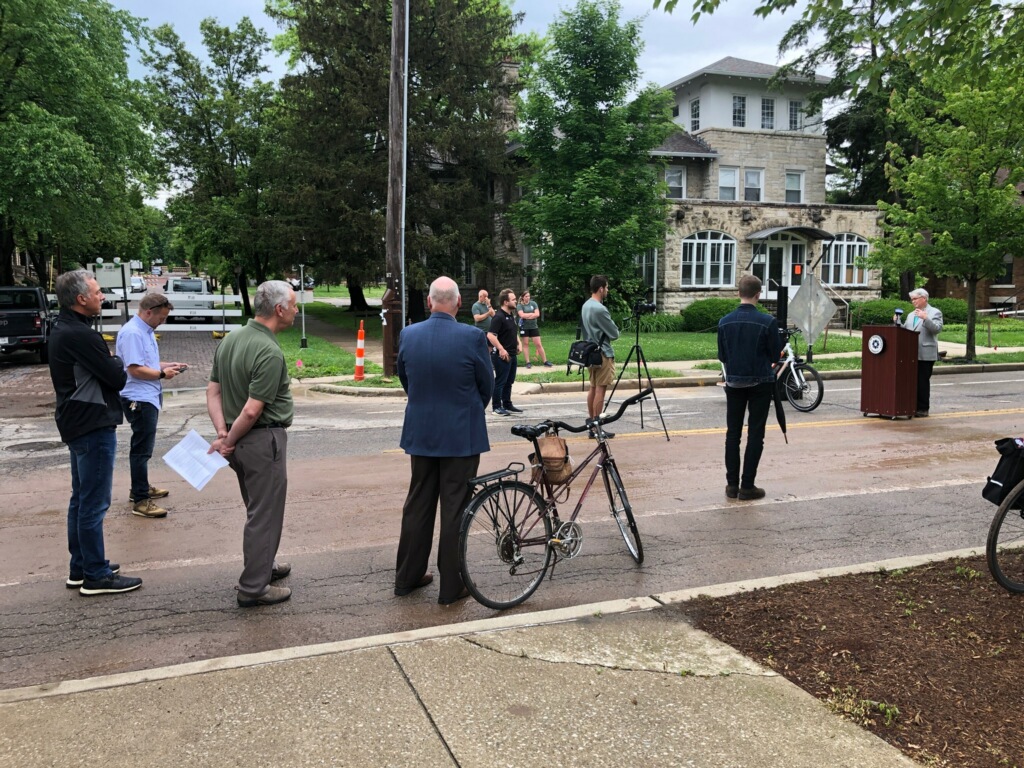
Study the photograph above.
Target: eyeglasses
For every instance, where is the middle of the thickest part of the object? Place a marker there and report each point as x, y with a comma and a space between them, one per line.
163, 302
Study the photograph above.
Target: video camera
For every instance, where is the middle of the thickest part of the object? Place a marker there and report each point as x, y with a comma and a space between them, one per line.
641, 307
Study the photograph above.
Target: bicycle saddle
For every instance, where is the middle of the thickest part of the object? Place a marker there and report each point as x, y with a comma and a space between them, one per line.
530, 432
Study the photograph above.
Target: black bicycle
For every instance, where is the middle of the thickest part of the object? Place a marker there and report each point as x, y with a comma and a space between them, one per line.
1004, 549
511, 531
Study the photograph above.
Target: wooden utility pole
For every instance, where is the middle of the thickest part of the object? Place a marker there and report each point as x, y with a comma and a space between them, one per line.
393, 300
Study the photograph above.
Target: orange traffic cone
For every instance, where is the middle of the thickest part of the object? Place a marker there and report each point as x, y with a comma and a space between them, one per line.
360, 351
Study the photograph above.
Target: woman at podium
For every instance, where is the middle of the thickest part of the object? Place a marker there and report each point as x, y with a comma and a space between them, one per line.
926, 322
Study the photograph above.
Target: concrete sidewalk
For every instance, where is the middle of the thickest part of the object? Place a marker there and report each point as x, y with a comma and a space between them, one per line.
623, 683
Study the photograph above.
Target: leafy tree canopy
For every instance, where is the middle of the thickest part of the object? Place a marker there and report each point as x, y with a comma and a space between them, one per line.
960, 209
592, 200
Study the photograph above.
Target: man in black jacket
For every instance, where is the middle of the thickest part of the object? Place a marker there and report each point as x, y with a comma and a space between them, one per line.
748, 344
88, 381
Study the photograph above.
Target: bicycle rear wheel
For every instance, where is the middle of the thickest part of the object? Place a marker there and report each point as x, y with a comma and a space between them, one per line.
804, 388
1005, 547
503, 544
621, 511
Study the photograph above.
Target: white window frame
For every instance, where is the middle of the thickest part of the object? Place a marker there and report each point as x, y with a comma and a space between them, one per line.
759, 187
708, 260
741, 102
767, 114
680, 172
800, 186
694, 115
735, 182
796, 115
839, 260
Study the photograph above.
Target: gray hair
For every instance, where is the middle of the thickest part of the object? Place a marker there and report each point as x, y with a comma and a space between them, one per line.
269, 295
919, 293
444, 292
71, 285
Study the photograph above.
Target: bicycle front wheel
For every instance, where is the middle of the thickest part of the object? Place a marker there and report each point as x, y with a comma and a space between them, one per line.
1005, 547
804, 388
503, 544
622, 512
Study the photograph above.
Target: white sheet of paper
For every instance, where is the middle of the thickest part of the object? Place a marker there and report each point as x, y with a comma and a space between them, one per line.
190, 459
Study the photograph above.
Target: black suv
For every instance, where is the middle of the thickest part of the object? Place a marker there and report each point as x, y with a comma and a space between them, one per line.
24, 320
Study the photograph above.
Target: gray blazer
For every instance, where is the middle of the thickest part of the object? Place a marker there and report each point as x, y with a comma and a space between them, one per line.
927, 332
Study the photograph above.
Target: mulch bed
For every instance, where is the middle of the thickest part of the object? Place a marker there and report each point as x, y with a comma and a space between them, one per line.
931, 659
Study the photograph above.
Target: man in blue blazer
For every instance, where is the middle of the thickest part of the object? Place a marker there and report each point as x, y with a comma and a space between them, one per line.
445, 370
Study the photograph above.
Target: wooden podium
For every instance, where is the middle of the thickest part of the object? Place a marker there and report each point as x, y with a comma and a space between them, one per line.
888, 384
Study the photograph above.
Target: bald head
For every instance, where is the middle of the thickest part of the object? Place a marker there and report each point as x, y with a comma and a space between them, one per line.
444, 296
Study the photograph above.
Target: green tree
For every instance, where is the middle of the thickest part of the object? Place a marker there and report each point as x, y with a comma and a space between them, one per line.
335, 196
934, 35
74, 155
961, 209
217, 132
592, 200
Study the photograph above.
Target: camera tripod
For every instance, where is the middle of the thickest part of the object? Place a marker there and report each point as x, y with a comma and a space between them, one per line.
637, 350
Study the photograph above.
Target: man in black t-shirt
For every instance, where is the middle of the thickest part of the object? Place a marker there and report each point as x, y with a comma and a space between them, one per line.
503, 336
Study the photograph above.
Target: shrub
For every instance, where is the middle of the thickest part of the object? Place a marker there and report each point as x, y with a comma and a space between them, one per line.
656, 323
879, 311
703, 315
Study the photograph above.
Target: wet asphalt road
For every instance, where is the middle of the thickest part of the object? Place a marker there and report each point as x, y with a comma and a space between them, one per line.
845, 490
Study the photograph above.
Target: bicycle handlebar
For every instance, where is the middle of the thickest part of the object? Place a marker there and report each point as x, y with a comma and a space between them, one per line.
536, 430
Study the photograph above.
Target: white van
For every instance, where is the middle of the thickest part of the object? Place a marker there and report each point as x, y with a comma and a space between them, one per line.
190, 294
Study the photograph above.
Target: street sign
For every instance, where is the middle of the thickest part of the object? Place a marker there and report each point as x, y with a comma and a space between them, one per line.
811, 308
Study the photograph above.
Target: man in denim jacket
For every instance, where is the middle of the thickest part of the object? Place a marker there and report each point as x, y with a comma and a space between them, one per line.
749, 344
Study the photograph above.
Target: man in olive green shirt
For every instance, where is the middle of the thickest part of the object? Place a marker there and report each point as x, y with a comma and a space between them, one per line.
250, 403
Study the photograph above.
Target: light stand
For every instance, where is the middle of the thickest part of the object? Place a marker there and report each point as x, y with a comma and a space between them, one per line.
302, 303
640, 360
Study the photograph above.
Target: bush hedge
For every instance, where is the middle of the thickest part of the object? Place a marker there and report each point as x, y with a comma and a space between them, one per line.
879, 311
655, 323
703, 315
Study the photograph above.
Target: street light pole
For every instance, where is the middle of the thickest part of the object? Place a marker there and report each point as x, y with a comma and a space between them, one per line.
302, 303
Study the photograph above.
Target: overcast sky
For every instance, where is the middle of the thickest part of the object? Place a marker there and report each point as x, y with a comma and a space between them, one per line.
673, 45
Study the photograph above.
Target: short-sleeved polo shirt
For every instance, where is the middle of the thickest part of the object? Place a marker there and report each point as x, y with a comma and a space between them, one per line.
250, 363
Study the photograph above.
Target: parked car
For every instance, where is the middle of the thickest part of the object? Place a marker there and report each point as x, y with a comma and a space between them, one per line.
138, 284
24, 320
192, 294
295, 282
158, 271
111, 297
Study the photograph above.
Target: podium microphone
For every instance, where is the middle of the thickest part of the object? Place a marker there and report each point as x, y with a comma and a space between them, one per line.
899, 315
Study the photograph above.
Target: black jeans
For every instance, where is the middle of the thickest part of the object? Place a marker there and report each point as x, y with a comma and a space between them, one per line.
504, 377
740, 401
143, 420
924, 384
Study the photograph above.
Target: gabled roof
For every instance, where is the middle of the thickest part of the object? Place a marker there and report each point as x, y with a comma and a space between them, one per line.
682, 144
730, 66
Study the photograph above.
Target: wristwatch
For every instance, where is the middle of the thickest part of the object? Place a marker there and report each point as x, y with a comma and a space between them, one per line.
163, 374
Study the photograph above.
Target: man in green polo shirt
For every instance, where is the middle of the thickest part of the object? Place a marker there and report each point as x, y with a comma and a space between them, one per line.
250, 403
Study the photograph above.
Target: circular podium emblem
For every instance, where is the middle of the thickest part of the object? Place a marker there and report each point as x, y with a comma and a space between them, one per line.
876, 344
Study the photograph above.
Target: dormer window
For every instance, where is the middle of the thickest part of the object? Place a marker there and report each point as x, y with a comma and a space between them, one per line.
694, 115
675, 179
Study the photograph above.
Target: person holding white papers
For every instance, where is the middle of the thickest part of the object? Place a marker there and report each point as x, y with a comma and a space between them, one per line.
926, 322
250, 403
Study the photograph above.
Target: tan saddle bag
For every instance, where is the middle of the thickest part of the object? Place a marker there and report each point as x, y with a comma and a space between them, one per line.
554, 458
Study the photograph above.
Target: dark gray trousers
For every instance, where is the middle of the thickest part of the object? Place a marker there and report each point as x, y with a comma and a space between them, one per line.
433, 480
260, 463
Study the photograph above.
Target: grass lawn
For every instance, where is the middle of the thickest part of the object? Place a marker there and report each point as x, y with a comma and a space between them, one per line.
341, 317
988, 332
320, 358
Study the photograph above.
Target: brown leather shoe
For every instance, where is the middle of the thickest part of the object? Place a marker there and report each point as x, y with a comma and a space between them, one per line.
424, 580
272, 596
749, 494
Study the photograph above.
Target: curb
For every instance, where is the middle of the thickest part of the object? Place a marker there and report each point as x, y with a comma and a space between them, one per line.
494, 624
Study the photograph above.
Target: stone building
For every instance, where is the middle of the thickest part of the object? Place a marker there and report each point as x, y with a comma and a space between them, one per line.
746, 180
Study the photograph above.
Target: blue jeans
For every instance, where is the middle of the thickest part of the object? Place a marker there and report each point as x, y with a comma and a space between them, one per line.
143, 422
92, 473
753, 403
504, 376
